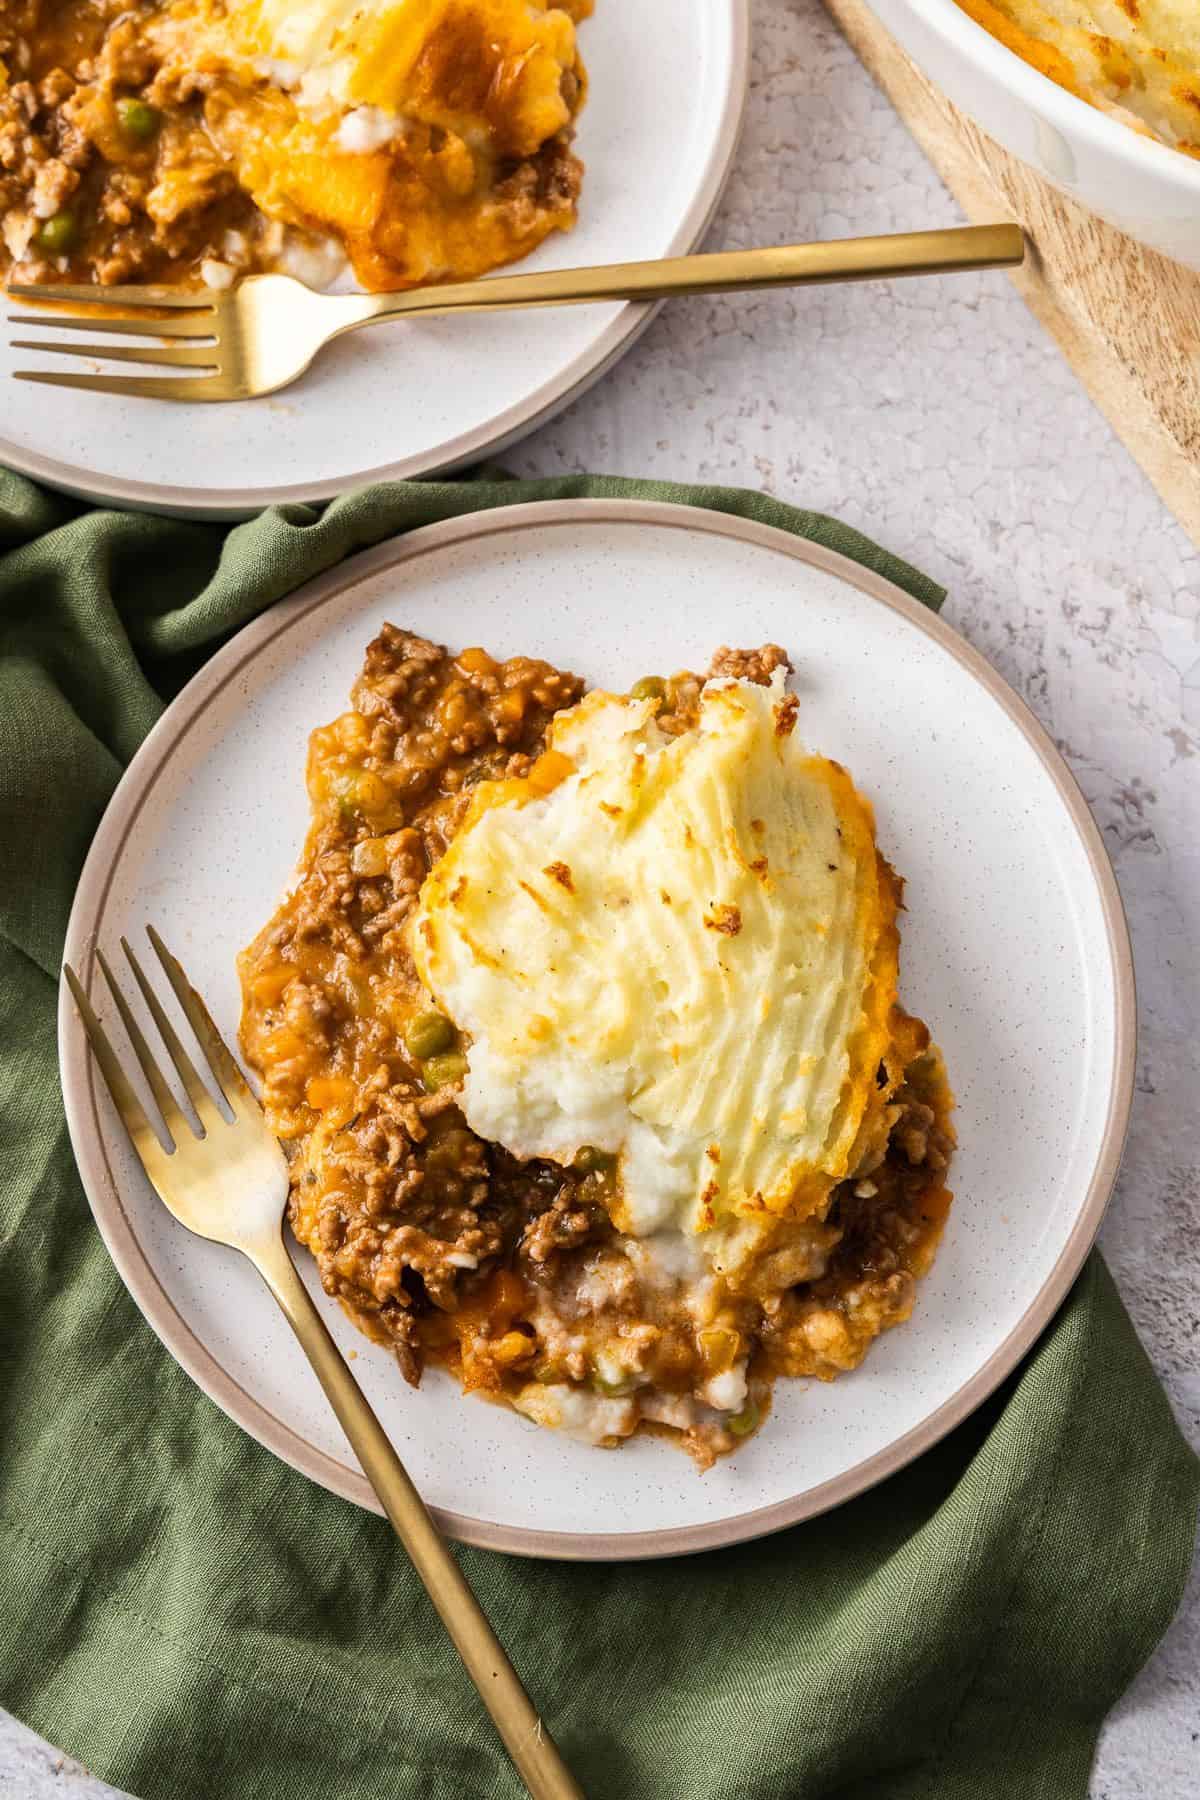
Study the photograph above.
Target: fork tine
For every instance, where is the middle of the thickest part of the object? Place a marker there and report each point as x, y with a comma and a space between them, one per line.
112, 296
177, 355
134, 387
141, 1132
184, 325
222, 1063
202, 1101
173, 1115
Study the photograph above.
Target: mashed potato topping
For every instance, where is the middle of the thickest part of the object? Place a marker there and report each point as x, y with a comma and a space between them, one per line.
1138, 60
401, 125
684, 954
491, 73
580, 1028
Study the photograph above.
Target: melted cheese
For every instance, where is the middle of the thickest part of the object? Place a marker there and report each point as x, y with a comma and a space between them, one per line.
684, 955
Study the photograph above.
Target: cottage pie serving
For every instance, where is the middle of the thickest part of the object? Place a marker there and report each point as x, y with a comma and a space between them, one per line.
581, 1029
1138, 60
196, 140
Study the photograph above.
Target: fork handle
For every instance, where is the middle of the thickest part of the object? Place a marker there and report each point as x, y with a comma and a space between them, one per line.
728, 271
525, 1736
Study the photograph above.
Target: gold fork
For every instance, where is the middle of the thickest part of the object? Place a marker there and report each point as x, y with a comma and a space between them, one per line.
260, 335
223, 1175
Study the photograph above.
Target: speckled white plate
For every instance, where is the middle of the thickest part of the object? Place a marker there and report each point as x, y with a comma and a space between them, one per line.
658, 133
1015, 950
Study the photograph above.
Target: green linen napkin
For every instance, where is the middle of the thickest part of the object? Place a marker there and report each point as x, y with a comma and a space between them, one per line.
197, 1622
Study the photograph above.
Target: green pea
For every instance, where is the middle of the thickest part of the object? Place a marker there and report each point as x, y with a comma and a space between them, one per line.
743, 1423
363, 793
137, 119
615, 1387
57, 234
591, 1161
429, 1034
650, 687
444, 1071
345, 790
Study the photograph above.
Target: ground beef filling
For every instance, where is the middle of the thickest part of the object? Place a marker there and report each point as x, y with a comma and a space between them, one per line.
442, 1245
112, 167
107, 173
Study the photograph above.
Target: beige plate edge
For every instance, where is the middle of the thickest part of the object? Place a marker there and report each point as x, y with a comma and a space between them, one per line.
487, 440
82, 1098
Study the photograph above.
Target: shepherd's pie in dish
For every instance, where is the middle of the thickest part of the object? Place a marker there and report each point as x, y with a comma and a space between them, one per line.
581, 1030
191, 141
1138, 60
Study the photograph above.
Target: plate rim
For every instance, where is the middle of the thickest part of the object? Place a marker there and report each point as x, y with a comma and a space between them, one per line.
492, 439
78, 1070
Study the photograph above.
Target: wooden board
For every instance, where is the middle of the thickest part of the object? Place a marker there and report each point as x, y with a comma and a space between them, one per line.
1127, 319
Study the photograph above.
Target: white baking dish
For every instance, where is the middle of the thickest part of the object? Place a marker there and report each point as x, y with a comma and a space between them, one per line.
1136, 183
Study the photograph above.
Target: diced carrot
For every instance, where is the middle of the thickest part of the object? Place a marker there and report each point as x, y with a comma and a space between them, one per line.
550, 768
283, 1044
327, 1091
495, 1307
513, 1348
269, 984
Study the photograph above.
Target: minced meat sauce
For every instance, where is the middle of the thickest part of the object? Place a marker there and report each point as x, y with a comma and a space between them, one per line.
440, 1244
107, 173
117, 166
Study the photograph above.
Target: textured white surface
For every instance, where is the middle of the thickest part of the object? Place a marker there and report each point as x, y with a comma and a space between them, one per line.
937, 417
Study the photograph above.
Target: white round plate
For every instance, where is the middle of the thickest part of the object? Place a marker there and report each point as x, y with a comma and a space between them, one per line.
658, 133
1015, 950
